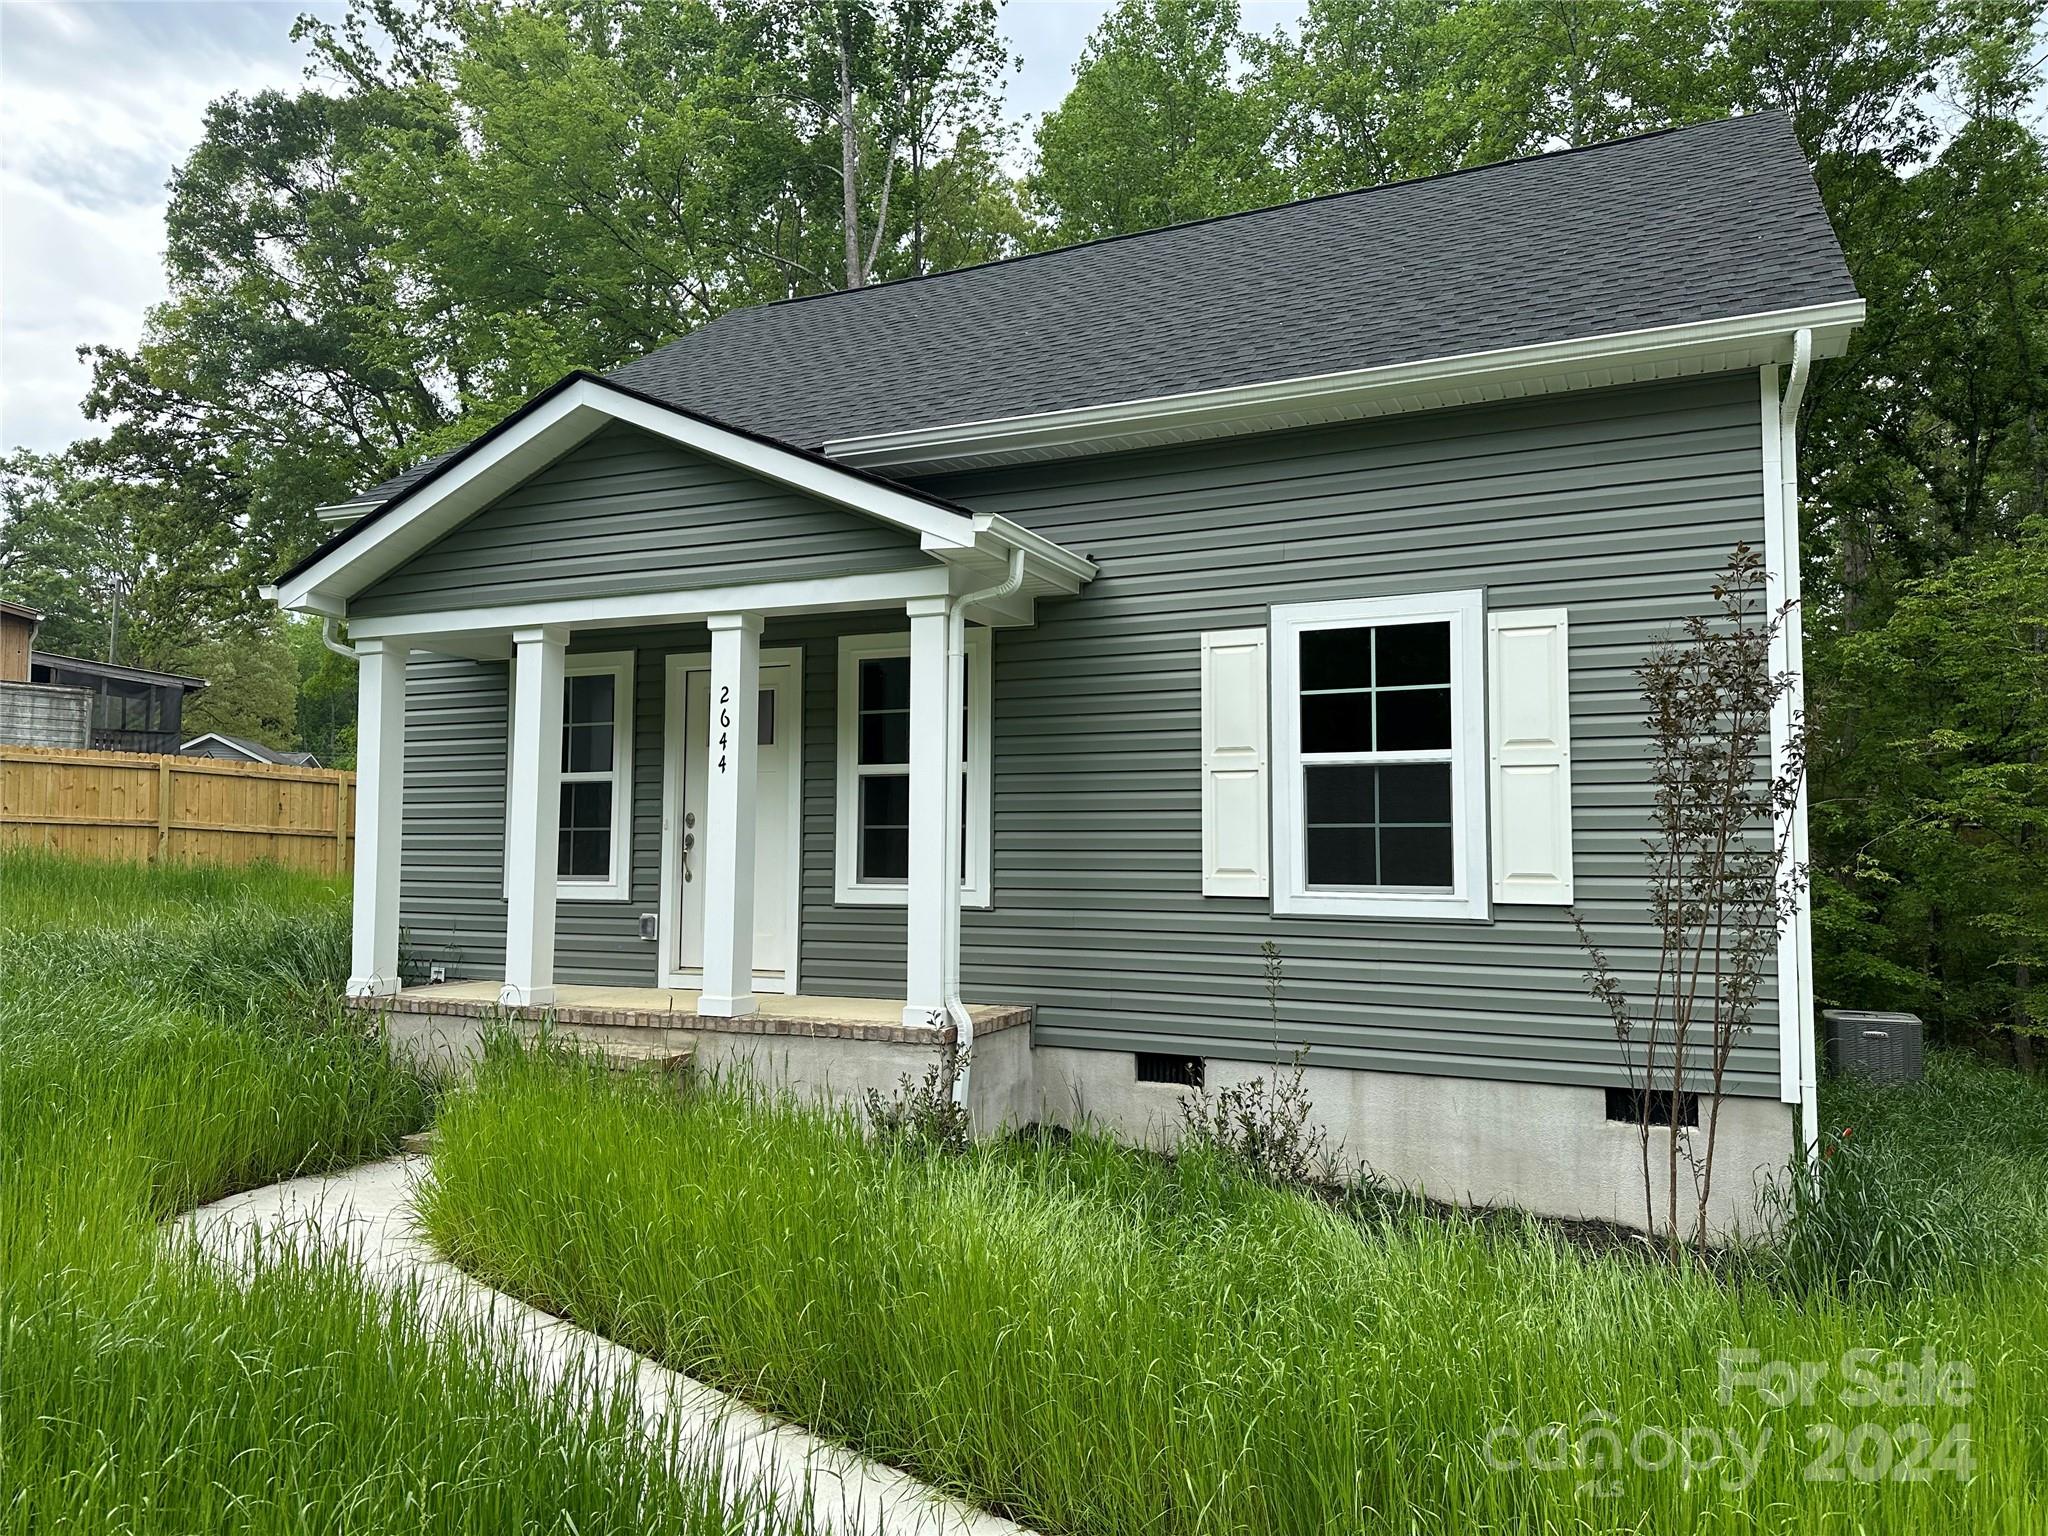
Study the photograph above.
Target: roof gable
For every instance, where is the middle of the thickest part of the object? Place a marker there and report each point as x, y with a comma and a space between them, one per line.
549, 426
627, 511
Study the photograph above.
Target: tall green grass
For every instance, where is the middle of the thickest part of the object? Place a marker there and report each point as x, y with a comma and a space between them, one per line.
170, 1035
1094, 1340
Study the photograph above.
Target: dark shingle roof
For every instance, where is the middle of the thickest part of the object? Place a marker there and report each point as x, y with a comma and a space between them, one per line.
1691, 224
1716, 220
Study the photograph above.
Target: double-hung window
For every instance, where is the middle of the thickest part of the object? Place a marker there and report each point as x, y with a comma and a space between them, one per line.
872, 856
593, 837
1379, 774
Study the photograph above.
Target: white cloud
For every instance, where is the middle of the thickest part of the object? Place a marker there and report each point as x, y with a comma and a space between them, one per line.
98, 103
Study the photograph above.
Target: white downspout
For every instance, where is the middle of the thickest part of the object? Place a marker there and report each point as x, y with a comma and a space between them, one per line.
1789, 585
956, 693
329, 631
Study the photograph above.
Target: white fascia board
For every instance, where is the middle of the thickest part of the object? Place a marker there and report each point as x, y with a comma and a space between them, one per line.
550, 431
1706, 346
824, 594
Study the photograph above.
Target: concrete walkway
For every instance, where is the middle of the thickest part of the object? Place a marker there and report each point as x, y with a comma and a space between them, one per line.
369, 1211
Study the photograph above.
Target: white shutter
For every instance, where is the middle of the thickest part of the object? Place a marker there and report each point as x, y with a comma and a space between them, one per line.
1236, 818
1529, 754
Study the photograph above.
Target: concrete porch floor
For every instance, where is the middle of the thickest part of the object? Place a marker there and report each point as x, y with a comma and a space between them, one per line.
673, 1000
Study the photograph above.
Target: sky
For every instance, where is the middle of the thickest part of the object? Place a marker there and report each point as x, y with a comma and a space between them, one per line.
99, 100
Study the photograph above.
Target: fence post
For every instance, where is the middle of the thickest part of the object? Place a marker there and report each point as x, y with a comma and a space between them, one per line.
341, 823
163, 809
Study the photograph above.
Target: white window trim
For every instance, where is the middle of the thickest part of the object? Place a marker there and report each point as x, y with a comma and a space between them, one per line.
620, 664
1469, 898
847, 888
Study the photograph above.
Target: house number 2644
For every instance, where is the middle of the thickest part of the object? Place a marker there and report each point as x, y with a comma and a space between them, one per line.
724, 723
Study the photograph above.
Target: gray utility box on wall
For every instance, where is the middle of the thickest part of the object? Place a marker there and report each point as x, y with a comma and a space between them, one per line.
1881, 1046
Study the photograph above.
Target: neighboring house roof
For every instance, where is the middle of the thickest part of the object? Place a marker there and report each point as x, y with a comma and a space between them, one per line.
253, 751
20, 611
113, 670
1687, 225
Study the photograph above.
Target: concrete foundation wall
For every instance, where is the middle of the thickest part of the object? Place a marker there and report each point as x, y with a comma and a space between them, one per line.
1536, 1146
1539, 1147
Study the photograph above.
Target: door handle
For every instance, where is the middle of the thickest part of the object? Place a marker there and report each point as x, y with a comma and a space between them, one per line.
689, 842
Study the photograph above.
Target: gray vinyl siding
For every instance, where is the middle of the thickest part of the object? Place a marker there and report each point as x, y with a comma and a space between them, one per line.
1618, 504
625, 512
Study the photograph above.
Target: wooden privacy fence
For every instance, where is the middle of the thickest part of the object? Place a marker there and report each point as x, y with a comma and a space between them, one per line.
142, 809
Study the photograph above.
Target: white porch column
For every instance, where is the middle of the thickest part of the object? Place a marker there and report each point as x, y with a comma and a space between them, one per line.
533, 816
380, 797
728, 840
933, 725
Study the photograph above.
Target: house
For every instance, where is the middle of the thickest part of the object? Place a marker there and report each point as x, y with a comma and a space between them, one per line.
1276, 578
133, 708
35, 714
240, 749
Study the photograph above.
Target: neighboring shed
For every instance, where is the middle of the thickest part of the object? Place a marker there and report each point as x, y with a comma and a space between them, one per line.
134, 708
18, 625
241, 749
35, 714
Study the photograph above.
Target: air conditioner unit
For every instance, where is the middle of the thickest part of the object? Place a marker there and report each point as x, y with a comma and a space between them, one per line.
1884, 1047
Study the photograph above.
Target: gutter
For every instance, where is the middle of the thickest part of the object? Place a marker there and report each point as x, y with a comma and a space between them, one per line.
956, 694
1795, 706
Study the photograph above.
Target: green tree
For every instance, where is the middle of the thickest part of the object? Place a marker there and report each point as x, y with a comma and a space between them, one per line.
325, 712
1936, 797
252, 687
86, 550
1158, 126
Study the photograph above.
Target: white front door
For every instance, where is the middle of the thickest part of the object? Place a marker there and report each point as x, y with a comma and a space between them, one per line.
777, 846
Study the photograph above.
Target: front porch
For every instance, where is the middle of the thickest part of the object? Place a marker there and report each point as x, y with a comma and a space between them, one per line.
595, 527
834, 1048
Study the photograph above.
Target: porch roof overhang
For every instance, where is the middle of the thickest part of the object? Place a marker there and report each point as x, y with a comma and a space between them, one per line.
959, 551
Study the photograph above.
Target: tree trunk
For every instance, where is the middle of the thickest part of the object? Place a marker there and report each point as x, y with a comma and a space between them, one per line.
849, 150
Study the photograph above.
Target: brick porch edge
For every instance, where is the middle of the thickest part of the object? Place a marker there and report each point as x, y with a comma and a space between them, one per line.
989, 1019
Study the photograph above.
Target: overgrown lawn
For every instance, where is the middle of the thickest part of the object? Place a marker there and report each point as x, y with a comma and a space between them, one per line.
1094, 1340
167, 1036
